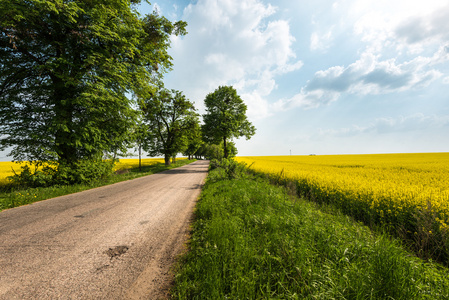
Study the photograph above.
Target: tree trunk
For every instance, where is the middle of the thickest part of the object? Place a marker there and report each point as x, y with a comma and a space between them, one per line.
140, 157
167, 159
225, 148
63, 108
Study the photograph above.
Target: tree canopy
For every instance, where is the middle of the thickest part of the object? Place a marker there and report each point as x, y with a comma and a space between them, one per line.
66, 68
171, 121
225, 118
194, 139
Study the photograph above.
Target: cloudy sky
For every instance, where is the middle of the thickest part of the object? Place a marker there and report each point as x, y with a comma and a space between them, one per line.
322, 76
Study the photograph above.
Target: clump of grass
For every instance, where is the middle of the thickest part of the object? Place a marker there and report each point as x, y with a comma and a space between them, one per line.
13, 196
252, 240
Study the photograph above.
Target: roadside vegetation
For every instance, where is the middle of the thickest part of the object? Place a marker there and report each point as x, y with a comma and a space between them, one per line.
13, 195
254, 240
404, 194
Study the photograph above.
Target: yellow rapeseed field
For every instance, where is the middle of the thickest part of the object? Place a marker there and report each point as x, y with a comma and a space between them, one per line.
6, 167
129, 163
407, 191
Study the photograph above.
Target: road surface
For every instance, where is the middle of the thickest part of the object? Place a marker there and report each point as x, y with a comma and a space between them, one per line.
112, 242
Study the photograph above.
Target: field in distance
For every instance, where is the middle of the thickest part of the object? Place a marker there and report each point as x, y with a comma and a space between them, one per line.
7, 167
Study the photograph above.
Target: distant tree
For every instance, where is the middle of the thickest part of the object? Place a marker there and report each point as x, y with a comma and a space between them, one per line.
194, 139
170, 119
214, 151
201, 151
225, 118
66, 68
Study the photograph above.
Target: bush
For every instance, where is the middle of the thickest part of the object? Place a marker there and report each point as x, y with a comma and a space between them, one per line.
33, 178
80, 172
83, 171
214, 164
229, 169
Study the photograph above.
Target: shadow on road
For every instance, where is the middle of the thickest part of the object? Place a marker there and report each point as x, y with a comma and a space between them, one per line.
184, 171
199, 168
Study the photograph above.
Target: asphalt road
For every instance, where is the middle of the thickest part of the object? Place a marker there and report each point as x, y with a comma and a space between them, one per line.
112, 242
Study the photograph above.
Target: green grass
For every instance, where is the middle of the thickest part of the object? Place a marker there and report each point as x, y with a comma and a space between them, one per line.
252, 240
12, 197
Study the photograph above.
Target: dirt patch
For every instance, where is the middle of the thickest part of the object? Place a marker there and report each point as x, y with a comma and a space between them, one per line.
122, 171
116, 251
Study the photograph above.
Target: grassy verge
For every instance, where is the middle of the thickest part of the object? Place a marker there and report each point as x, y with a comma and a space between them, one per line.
252, 240
13, 197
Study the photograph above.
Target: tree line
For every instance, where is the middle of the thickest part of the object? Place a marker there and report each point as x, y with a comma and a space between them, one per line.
81, 81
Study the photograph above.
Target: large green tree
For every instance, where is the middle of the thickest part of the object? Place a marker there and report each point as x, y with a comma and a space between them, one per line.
171, 119
66, 69
225, 118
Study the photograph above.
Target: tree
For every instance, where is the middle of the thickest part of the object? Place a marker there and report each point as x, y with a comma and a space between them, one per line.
194, 138
225, 118
214, 151
66, 68
201, 151
170, 119
232, 149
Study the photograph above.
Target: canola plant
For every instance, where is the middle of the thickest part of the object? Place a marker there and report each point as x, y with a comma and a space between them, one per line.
7, 168
408, 193
131, 163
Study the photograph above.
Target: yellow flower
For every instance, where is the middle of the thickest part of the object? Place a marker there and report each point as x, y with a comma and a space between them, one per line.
397, 184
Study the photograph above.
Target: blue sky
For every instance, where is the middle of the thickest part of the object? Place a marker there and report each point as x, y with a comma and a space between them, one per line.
323, 77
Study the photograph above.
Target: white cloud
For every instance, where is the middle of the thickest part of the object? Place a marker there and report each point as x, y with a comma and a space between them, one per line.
368, 75
320, 42
158, 9
402, 45
401, 24
425, 28
287, 68
258, 107
233, 42
306, 100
